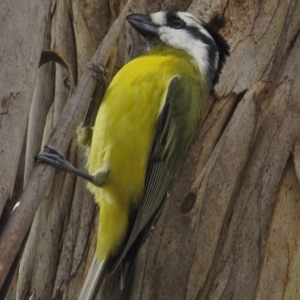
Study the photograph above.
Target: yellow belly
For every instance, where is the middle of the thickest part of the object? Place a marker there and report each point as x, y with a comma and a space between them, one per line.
122, 140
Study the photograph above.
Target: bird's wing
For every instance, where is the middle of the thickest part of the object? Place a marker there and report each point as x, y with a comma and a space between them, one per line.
171, 143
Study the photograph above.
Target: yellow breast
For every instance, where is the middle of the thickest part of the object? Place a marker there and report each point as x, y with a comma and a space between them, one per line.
122, 140
125, 126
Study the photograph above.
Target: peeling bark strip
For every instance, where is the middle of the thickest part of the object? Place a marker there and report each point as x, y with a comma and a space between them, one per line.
21, 219
230, 228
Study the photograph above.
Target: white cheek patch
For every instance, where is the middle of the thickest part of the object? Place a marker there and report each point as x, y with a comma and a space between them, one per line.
181, 39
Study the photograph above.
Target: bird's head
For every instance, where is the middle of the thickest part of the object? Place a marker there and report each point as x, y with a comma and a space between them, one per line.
184, 31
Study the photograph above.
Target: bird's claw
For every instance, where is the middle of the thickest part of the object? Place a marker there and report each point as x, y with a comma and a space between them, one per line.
53, 157
100, 71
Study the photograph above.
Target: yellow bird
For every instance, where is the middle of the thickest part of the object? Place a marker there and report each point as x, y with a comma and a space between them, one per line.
144, 128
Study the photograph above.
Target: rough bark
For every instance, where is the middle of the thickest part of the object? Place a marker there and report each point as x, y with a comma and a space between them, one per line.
22, 28
230, 228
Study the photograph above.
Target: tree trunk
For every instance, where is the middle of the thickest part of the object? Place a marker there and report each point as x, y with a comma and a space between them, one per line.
231, 226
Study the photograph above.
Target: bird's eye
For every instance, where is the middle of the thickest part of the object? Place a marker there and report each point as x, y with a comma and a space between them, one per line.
176, 23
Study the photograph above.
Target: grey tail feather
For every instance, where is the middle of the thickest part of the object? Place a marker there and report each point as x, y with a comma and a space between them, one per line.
128, 262
127, 268
96, 275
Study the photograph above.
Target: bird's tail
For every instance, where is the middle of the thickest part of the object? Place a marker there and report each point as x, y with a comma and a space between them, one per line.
96, 274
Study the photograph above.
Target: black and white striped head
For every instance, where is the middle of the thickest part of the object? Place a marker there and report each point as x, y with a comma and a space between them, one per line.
184, 31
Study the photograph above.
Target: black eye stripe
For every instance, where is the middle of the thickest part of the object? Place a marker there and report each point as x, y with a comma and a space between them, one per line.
174, 21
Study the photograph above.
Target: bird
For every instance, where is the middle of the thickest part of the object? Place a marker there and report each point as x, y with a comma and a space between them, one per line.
143, 131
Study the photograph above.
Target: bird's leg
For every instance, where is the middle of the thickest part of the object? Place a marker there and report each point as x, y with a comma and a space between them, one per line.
100, 74
53, 157
57, 160
84, 131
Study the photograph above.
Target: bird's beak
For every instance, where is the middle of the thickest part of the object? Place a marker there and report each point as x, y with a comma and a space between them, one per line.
143, 24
